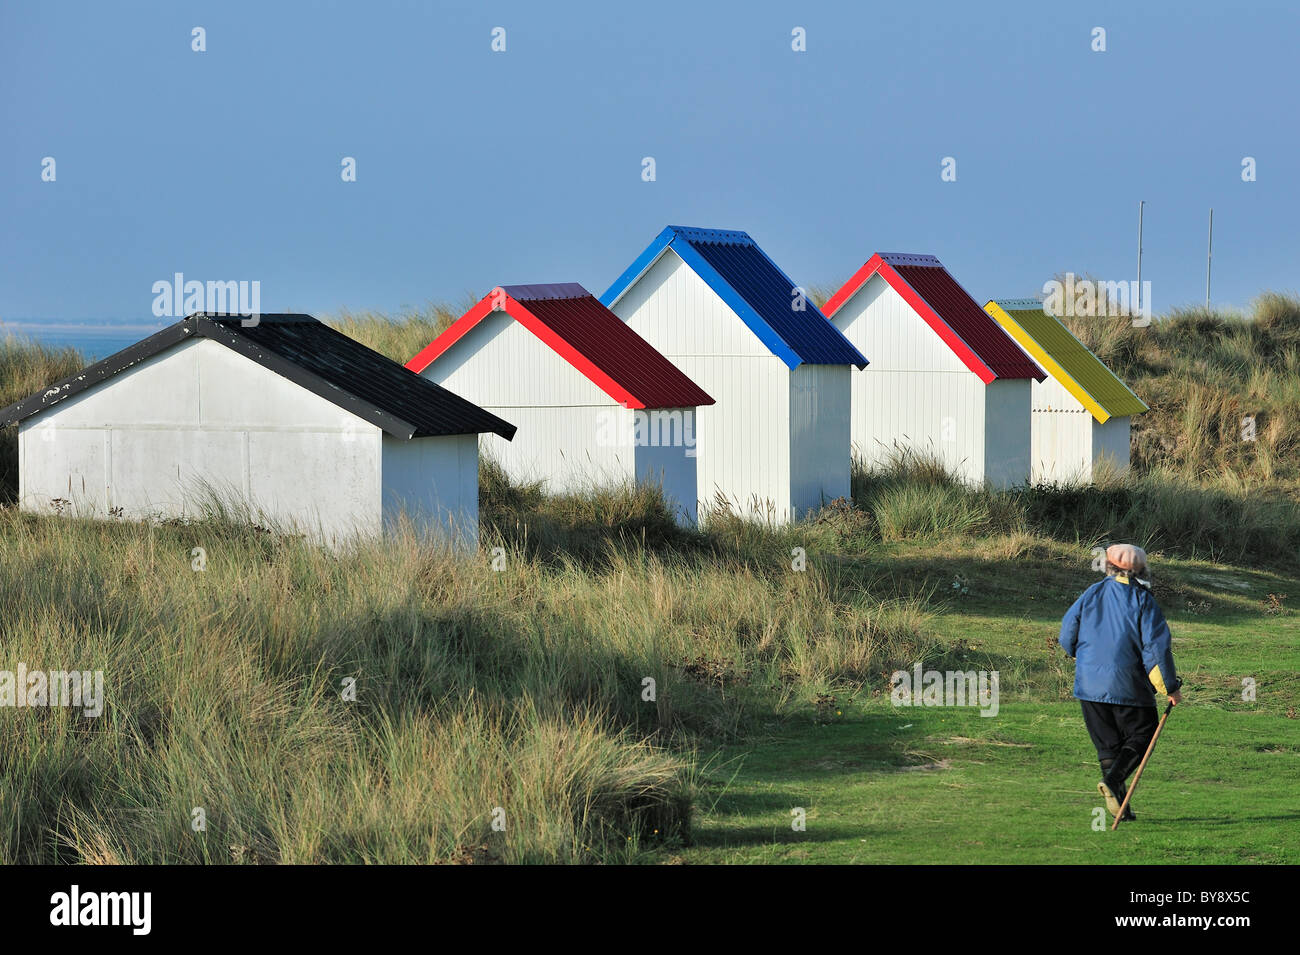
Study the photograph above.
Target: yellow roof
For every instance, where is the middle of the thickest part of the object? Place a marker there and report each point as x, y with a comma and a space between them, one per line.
1066, 359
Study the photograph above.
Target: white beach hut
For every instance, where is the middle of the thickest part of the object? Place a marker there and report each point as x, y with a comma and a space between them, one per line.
776, 443
306, 428
595, 403
946, 381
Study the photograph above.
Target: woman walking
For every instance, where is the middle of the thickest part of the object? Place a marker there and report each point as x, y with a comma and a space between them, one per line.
1120, 641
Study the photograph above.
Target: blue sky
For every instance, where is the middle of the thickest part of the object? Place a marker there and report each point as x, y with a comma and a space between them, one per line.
477, 168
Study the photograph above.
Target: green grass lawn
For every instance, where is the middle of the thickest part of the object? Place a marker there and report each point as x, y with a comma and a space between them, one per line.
929, 785
886, 784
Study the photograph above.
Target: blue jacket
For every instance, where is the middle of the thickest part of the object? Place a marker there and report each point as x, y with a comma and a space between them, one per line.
1120, 642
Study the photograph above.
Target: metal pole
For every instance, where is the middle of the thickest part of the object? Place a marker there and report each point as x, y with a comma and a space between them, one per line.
1139, 285
1209, 254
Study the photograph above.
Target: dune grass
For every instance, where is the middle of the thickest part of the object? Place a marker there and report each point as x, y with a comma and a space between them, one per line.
518, 693
1223, 388
227, 691
399, 337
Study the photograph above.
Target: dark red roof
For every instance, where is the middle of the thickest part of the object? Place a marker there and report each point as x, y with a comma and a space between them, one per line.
586, 334
973, 335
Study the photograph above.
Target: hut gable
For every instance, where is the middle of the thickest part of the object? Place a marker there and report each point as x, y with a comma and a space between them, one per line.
1066, 359
947, 382
1081, 411
776, 444
586, 335
740, 273
597, 404
936, 297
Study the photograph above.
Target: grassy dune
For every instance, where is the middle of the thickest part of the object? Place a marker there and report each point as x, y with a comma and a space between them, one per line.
516, 691
1203, 372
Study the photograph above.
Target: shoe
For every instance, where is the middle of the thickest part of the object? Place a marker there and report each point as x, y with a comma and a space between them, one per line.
1113, 800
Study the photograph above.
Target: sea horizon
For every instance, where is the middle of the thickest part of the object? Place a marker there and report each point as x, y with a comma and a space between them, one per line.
93, 338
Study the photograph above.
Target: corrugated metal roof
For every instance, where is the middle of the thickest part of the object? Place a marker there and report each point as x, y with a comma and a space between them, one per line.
590, 337
313, 356
964, 316
743, 276
967, 329
1066, 358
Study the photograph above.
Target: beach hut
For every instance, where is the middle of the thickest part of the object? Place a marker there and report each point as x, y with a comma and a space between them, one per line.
294, 423
776, 443
946, 382
1081, 411
595, 403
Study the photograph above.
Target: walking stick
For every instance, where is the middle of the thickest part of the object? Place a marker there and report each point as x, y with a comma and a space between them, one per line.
1141, 766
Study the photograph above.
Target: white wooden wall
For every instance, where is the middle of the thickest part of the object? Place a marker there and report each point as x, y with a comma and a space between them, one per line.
915, 393
820, 435
560, 447
1111, 441
1062, 436
671, 463
1068, 441
571, 435
1007, 431
433, 483
153, 438
744, 438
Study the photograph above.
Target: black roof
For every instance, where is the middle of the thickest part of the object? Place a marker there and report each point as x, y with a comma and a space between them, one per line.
310, 354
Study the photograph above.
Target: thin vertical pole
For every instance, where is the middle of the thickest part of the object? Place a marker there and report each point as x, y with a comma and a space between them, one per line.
1209, 255
1139, 285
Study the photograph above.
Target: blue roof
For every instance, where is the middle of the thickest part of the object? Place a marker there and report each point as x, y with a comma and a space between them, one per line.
741, 274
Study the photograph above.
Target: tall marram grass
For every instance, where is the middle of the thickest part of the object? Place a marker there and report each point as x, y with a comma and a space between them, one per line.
399, 337
1223, 388
520, 688
474, 690
25, 368
1218, 518
915, 496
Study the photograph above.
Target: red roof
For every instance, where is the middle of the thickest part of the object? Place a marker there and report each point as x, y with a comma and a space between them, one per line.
588, 336
973, 335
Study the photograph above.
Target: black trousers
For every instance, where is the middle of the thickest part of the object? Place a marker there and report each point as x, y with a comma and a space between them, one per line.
1120, 733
